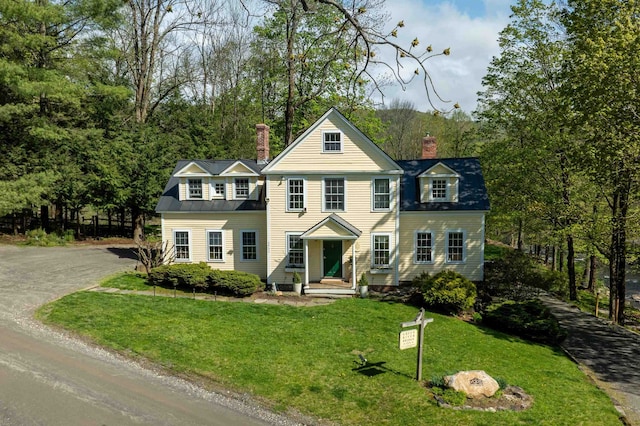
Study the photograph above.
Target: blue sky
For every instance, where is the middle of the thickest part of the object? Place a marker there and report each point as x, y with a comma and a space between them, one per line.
469, 28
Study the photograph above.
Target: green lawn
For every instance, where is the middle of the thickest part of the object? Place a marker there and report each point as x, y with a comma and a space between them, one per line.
304, 357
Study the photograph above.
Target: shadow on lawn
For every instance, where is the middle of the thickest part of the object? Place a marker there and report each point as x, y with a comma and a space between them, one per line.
371, 369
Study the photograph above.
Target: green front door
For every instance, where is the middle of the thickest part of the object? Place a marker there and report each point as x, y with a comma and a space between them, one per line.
332, 258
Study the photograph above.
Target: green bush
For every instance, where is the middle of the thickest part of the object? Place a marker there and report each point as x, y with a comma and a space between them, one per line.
530, 320
518, 277
447, 291
234, 283
39, 237
201, 277
186, 275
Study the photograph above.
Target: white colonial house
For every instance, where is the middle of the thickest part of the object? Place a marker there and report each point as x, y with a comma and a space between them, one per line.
332, 206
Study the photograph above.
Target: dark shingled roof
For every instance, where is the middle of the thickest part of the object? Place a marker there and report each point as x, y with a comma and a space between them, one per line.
169, 199
472, 193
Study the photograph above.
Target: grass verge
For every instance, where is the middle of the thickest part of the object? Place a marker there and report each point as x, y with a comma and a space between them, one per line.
304, 357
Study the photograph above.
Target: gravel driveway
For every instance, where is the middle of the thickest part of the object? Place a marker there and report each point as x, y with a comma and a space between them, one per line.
49, 378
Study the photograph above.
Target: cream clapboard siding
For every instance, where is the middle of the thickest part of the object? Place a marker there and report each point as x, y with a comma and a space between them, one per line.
356, 155
439, 223
358, 213
231, 224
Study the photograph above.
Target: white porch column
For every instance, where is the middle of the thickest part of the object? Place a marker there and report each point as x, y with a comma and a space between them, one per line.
354, 274
306, 263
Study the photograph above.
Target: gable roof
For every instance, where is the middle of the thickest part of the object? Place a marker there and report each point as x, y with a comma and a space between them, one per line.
169, 200
333, 114
472, 193
344, 229
439, 165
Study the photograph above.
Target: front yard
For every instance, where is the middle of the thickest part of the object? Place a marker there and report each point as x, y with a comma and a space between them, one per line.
304, 358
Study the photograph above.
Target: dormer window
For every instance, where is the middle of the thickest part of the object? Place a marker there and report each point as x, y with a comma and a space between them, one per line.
439, 184
241, 187
194, 189
217, 189
332, 142
438, 189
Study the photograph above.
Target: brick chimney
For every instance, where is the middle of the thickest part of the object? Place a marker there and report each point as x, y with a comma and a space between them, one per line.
429, 147
262, 143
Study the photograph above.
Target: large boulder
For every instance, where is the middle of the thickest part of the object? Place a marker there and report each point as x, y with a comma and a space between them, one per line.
474, 383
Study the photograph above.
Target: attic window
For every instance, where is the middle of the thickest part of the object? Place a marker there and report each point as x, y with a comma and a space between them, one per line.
438, 189
194, 189
241, 188
332, 142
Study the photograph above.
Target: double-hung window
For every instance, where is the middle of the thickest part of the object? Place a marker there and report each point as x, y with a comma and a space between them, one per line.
295, 251
380, 250
455, 247
439, 189
182, 246
249, 245
334, 194
215, 247
217, 189
295, 194
332, 142
381, 194
241, 187
423, 247
194, 189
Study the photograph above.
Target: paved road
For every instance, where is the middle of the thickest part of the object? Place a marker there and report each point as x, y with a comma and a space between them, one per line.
48, 378
610, 354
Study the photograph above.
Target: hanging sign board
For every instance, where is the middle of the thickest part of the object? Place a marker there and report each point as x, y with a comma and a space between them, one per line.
408, 339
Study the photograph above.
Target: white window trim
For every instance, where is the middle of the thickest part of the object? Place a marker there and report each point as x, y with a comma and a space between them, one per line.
188, 190
323, 201
375, 269
209, 259
464, 247
242, 259
188, 231
373, 195
340, 151
288, 266
304, 194
235, 194
447, 192
415, 247
212, 189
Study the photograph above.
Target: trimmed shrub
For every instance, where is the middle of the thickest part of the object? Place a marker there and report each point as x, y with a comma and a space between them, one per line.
530, 320
447, 291
236, 283
187, 275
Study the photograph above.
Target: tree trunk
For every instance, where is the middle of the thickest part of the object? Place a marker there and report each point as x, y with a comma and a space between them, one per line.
571, 269
44, 218
591, 286
553, 258
618, 256
291, 69
520, 230
137, 222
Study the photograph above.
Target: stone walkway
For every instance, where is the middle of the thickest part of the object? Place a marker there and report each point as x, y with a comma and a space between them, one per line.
608, 353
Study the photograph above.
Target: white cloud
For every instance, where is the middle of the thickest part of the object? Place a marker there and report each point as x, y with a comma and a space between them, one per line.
473, 42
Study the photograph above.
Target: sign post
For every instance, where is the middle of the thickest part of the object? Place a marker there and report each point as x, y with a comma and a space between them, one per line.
414, 337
